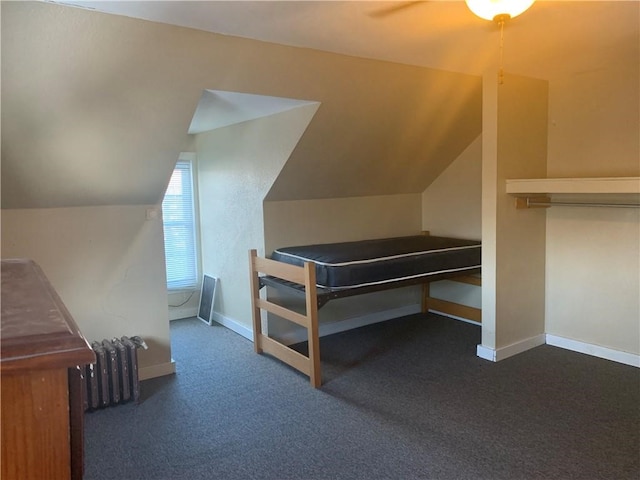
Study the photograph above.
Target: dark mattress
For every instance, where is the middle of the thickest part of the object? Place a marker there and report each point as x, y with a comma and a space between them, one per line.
372, 262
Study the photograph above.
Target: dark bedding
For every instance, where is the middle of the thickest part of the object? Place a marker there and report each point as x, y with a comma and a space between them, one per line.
370, 262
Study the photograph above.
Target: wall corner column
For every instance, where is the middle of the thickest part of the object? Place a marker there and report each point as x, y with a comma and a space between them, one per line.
514, 145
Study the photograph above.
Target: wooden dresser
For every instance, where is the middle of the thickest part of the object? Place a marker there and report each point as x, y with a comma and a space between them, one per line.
41, 397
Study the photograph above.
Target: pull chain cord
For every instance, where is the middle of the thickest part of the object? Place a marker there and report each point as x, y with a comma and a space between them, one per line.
501, 71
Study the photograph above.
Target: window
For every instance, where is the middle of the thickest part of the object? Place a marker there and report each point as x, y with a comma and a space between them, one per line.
179, 229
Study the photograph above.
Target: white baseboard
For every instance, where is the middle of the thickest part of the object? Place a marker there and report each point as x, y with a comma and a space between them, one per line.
159, 370
495, 355
486, 353
351, 323
233, 325
594, 350
177, 313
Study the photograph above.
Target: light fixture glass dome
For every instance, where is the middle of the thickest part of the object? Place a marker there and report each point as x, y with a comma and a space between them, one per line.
502, 9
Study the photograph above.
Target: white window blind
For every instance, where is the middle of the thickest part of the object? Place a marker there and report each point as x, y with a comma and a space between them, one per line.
179, 229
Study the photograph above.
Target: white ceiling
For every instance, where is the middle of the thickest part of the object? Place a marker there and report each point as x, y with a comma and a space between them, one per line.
553, 39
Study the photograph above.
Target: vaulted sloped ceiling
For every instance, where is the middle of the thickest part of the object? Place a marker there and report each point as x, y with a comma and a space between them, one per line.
92, 114
394, 131
96, 108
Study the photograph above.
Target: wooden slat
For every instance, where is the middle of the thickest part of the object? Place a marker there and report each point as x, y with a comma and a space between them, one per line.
286, 355
456, 309
283, 312
282, 270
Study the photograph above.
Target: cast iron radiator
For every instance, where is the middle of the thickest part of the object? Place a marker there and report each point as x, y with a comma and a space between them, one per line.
113, 379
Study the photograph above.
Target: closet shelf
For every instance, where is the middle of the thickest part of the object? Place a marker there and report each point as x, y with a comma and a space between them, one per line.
607, 185
618, 192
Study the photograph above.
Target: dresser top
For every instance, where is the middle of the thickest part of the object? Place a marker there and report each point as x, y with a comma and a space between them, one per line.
36, 326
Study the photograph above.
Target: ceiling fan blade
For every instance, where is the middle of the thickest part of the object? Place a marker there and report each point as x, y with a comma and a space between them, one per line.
392, 9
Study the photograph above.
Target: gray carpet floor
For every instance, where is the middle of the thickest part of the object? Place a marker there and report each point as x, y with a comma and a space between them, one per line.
404, 399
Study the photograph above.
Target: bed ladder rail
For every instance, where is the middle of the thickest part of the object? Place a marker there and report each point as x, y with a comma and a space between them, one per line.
309, 365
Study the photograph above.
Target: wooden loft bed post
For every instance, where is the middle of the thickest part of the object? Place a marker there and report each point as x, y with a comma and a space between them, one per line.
451, 308
255, 310
313, 334
309, 365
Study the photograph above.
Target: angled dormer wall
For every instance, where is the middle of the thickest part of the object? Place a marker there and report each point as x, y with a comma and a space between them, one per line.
237, 165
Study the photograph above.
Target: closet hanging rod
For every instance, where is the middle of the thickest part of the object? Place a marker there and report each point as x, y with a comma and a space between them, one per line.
533, 202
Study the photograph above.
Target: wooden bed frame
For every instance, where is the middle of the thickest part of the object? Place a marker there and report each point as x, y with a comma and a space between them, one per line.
302, 281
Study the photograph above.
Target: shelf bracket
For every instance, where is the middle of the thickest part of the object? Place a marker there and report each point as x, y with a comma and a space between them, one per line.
532, 202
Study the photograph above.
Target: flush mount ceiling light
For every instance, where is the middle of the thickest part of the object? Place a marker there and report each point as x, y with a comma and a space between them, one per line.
499, 11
